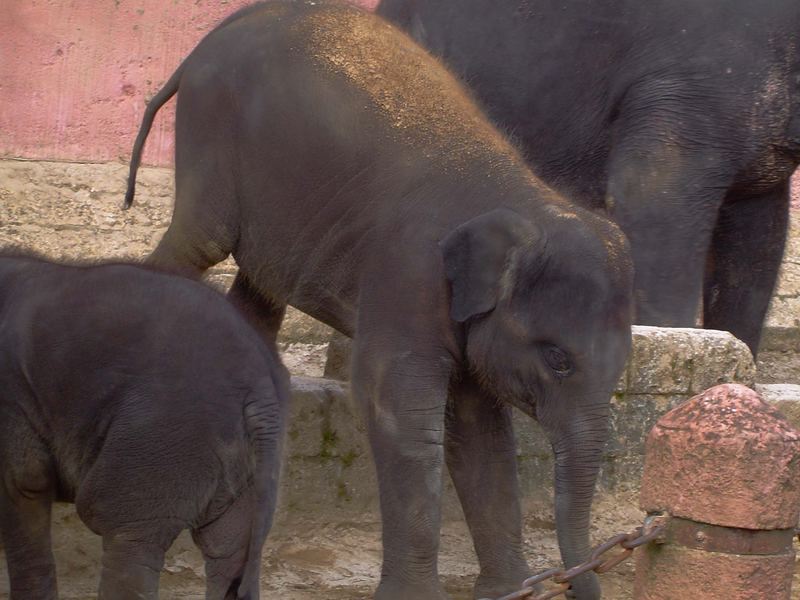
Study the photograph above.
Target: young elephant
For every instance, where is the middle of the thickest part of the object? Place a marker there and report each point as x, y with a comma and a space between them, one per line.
147, 401
351, 176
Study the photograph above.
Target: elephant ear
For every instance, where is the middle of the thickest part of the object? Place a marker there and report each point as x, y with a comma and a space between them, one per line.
477, 256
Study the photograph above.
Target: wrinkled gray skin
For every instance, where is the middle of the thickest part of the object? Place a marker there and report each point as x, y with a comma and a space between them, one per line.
147, 401
351, 177
680, 118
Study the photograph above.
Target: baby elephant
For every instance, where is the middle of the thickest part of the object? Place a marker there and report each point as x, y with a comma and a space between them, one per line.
147, 401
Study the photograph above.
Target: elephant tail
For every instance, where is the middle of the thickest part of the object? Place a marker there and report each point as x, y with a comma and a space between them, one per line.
265, 414
165, 93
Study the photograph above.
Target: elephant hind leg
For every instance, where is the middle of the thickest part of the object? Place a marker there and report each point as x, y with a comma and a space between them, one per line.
132, 562
746, 252
134, 518
187, 253
205, 223
26, 492
263, 313
226, 545
202, 233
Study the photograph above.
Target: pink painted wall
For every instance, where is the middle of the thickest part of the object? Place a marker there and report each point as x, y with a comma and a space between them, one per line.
74, 74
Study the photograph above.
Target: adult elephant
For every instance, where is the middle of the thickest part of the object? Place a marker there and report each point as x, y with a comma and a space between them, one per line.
680, 118
351, 176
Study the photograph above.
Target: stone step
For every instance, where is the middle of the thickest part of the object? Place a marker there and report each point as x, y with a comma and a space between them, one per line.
328, 470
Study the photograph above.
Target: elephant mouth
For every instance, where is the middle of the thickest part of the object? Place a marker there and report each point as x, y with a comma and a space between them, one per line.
529, 408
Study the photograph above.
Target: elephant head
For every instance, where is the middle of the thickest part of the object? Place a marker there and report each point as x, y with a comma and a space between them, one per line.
546, 308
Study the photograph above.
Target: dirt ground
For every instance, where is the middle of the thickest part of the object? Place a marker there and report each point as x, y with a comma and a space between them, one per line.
316, 561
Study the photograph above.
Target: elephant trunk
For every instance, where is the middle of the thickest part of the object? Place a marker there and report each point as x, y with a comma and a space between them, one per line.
578, 454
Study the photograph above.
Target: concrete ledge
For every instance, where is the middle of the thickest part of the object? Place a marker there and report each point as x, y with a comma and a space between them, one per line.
329, 470
785, 397
780, 339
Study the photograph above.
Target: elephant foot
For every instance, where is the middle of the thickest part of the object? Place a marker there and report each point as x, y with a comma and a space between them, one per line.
394, 590
585, 587
487, 586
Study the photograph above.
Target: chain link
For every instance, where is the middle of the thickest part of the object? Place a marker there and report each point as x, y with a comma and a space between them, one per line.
650, 531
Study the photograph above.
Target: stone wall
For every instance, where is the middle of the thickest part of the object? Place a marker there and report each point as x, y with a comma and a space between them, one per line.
328, 466
784, 316
73, 210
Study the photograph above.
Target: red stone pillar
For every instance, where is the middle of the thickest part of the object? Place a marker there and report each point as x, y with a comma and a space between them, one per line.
725, 469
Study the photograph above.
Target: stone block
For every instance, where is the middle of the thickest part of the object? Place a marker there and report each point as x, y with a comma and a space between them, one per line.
725, 457
323, 489
670, 361
337, 363
327, 461
785, 397
328, 437
663, 360
309, 413
724, 468
677, 573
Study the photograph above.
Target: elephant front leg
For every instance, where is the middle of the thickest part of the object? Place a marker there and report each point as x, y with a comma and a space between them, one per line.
403, 400
481, 457
665, 198
746, 252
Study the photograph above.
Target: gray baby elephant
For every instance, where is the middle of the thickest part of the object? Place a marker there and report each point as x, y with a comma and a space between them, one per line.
352, 177
147, 401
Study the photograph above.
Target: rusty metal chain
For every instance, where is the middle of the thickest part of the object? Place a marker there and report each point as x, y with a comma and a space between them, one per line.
650, 531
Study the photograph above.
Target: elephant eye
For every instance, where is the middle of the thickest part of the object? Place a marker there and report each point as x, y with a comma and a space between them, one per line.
557, 360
